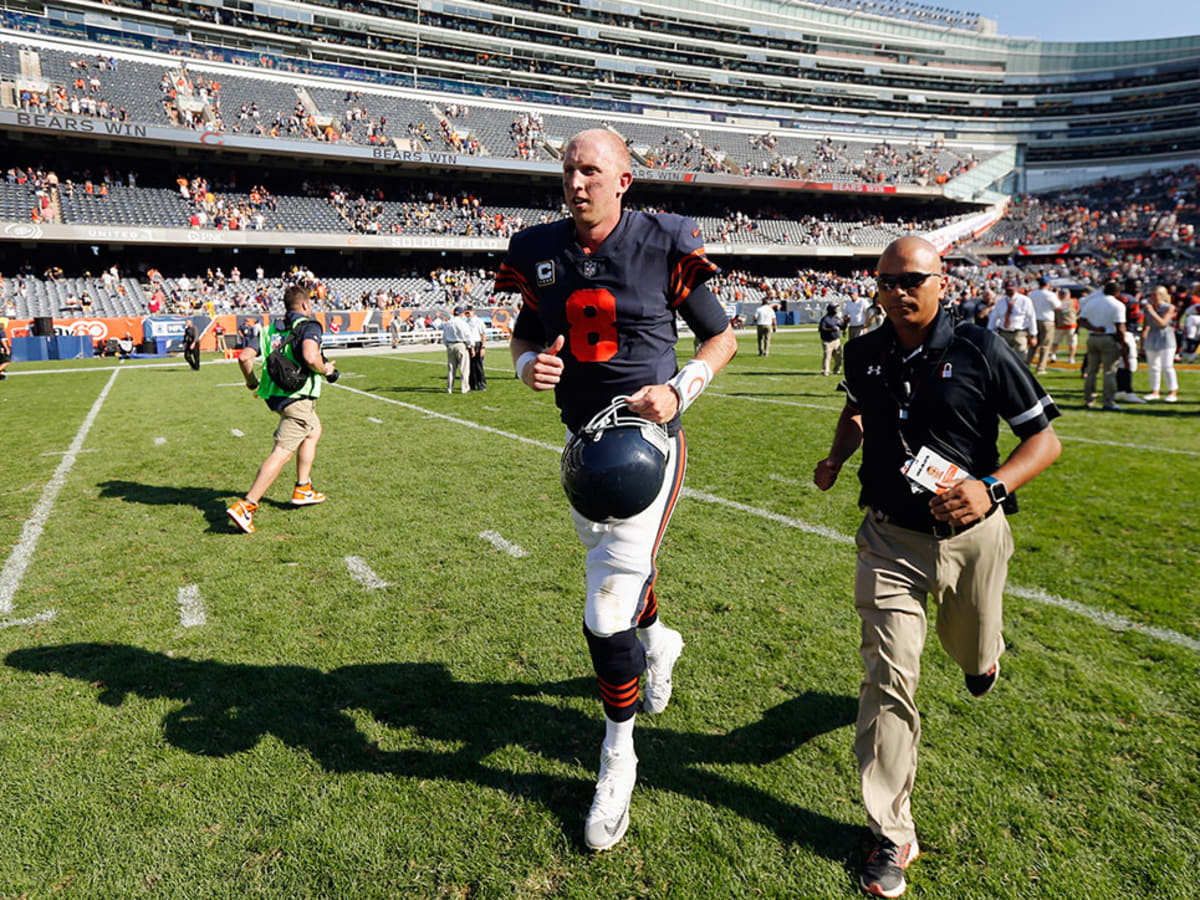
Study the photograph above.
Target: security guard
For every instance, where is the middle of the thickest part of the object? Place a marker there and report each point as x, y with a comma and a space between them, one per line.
920, 388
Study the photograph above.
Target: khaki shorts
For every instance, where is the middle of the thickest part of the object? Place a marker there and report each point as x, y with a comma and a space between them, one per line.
296, 422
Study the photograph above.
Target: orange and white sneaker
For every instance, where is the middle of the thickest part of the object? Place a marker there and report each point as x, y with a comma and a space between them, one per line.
242, 514
304, 495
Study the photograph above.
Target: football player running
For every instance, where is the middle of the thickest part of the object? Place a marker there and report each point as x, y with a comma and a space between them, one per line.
600, 293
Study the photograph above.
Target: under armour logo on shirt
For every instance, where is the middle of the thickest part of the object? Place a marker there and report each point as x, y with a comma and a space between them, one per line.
874, 370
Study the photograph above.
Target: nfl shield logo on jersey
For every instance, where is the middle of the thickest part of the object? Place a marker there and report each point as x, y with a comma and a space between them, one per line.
588, 268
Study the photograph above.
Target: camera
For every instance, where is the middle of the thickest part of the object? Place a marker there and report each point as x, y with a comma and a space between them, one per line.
333, 376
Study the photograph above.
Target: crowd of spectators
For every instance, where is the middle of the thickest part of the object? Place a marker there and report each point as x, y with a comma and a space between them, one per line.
1163, 205
527, 133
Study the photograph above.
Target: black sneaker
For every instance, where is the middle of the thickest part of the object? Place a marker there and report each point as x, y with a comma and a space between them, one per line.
979, 685
883, 872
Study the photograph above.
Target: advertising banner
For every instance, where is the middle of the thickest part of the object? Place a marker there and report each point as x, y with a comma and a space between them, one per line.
97, 329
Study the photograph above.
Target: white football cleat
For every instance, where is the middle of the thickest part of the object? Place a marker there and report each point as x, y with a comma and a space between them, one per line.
657, 692
608, 819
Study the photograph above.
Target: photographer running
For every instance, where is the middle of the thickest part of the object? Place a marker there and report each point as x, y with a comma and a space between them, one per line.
299, 428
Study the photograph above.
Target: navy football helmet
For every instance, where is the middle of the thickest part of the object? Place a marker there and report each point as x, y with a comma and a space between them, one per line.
613, 467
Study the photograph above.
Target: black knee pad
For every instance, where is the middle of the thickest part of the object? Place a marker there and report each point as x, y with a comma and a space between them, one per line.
619, 661
617, 658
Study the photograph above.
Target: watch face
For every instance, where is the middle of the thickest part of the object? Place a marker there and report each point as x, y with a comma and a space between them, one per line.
998, 491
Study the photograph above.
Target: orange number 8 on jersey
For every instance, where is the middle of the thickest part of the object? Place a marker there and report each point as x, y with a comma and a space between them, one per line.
592, 321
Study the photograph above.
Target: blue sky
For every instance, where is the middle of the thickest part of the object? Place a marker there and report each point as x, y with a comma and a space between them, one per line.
1089, 20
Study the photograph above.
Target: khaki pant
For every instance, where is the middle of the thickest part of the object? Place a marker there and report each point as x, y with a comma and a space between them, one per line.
1017, 339
457, 360
764, 340
1041, 353
831, 354
1070, 335
1103, 353
897, 570
296, 422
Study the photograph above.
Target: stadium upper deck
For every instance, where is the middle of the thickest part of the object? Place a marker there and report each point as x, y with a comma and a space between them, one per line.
878, 67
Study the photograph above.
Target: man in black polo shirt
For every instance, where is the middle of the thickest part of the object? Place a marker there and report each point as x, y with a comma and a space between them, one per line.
917, 385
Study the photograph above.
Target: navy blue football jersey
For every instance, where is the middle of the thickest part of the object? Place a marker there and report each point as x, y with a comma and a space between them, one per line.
615, 307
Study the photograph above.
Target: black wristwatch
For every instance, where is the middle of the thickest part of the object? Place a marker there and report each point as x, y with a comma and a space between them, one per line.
996, 489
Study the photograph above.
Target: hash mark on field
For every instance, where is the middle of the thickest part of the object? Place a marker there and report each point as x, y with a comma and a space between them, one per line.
159, 441
237, 432
785, 480
22, 553
47, 616
494, 538
1037, 595
364, 574
375, 420
191, 606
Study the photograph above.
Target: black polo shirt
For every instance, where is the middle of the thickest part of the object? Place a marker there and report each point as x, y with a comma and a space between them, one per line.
949, 394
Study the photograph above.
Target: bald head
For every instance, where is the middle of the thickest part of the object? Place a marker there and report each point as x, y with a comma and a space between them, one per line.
911, 254
603, 142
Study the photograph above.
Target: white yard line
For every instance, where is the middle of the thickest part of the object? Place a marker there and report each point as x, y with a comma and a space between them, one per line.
47, 616
65, 452
375, 420
1151, 447
191, 606
364, 574
22, 553
772, 401
1036, 595
496, 540
83, 370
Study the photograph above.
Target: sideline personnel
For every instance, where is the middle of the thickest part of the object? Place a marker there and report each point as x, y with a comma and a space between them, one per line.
299, 428
601, 293
920, 383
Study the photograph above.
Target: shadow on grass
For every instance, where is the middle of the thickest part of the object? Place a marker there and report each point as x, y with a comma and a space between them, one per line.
209, 501
228, 708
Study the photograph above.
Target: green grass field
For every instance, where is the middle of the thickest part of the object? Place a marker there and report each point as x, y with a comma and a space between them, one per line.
439, 736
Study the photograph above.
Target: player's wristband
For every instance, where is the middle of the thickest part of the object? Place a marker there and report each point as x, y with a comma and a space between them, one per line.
690, 382
523, 361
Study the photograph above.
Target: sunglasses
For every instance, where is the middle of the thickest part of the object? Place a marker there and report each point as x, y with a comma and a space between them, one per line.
906, 280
